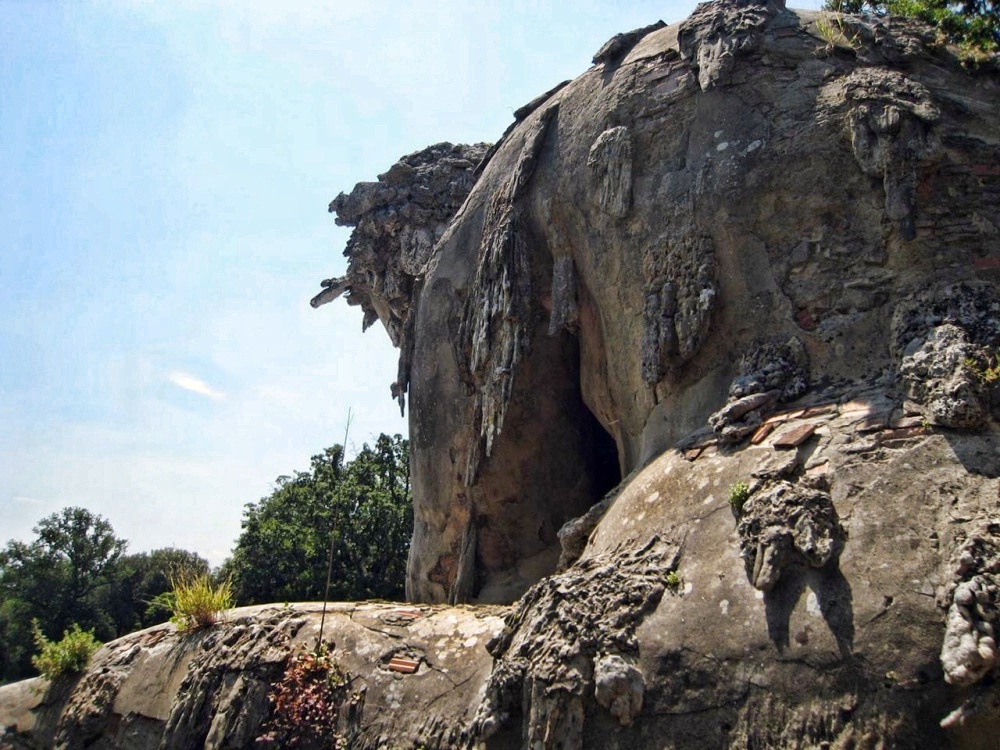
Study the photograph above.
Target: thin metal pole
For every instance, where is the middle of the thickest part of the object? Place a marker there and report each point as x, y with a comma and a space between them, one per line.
333, 537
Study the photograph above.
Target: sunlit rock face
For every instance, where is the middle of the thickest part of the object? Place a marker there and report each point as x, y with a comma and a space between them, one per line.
701, 361
721, 217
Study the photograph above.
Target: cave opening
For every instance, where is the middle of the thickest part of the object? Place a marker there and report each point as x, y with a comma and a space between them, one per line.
604, 461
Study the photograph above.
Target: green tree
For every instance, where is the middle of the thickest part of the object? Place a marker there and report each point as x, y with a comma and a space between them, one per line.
131, 599
971, 24
57, 580
363, 505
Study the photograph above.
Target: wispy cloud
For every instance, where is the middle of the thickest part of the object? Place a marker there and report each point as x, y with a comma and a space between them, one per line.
195, 385
27, 500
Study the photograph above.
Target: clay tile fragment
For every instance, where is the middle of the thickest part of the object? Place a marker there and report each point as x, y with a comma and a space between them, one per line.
403, 666
794, 437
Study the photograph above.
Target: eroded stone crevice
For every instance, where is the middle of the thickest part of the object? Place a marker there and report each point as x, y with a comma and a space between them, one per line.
571, 640
495, 332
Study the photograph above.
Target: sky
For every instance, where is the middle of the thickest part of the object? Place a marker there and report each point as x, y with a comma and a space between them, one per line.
165, 171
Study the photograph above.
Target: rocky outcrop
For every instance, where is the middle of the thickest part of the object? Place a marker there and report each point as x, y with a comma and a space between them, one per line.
397, 221
413, 674
721, 218
749, 264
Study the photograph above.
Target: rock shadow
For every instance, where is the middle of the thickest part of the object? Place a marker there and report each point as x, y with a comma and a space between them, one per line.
835, 599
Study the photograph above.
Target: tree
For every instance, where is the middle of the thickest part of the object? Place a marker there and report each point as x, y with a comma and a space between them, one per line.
56, 580
131, 598
363, 506
971, 24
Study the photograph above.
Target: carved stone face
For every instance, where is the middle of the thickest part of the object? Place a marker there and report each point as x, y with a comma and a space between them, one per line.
722, 219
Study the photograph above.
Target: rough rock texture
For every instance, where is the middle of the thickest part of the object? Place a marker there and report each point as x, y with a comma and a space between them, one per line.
571, 640
739, 250
397, 222
159, 688
720, 218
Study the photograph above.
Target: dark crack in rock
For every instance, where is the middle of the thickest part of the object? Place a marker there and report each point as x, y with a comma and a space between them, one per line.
562, 636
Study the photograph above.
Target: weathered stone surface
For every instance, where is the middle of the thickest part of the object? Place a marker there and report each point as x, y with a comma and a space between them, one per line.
397, 222
805, 242
729, 210
159, 688
570, 638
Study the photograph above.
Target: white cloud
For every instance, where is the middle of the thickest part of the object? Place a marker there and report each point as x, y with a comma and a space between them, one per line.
27, 500
195, 385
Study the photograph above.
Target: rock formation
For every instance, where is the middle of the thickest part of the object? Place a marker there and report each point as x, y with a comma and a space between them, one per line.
702, 378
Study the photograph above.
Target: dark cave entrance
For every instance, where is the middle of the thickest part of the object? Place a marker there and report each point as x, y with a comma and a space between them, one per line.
605, 466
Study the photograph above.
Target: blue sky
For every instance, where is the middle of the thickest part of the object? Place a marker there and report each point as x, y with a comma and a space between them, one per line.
165, 169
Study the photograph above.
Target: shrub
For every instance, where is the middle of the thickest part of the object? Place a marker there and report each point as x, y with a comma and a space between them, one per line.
196, 602
305, 703
68, 656
739, 493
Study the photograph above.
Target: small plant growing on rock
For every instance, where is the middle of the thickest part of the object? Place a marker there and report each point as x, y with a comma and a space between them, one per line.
987, 374
835, 33
196, 602
673, 581
71, 655
305, 702
739, 493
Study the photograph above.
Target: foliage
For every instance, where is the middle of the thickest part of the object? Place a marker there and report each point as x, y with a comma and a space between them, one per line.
836, 33
973, 25
195, 601
76, 571
364, 504
135, 598
739, 493
673, 580
986, 373
58, 579
305, 702
68, 656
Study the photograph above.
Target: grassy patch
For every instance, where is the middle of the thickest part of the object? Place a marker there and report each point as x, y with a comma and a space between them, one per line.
196, 602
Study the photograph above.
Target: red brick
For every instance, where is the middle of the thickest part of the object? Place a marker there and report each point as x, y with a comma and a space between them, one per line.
404, 666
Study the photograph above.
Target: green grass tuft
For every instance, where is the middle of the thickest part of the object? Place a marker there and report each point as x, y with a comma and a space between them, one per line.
196, 602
